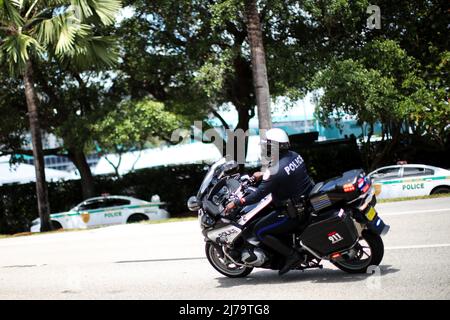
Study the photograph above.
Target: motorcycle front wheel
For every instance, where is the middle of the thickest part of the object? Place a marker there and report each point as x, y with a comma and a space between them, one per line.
369, 252
223, 265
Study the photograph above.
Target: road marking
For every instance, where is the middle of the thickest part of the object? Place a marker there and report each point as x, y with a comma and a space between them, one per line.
413, 212
419, 246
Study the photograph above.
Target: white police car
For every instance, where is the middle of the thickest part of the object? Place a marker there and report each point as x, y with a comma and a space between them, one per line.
410, 180
106, 210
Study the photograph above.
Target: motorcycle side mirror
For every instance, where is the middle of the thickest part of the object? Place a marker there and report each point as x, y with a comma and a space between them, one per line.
194, 204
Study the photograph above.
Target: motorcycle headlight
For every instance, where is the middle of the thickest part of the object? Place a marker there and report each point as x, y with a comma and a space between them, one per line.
206, 221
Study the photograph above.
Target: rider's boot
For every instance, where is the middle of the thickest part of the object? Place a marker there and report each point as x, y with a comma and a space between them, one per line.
291, 261
292, 256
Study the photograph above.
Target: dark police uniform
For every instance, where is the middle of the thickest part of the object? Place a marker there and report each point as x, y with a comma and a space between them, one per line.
284, 180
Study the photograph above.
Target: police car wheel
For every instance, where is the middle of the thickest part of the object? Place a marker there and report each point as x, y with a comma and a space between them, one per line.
56, 225
439, 190
137, 217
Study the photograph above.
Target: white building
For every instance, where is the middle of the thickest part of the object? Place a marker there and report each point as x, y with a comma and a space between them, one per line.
188, 153
25, 173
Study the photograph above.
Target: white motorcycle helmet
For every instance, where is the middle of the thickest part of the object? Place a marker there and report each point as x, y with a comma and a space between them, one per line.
276, 140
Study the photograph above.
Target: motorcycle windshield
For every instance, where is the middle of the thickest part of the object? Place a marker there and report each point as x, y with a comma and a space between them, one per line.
207, 180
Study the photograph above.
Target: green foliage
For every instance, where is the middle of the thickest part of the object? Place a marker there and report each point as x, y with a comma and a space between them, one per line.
133, 123
211, 76
397, 75
65, 35
224, 11
385, 84
13, 122
351, 88
194, 55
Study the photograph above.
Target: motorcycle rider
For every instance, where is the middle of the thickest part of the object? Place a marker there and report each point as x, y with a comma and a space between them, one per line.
285, 178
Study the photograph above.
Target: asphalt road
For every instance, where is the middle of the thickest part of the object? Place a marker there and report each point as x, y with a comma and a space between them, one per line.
167, 261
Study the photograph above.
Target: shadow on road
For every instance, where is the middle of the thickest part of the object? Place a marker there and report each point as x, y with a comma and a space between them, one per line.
314, 276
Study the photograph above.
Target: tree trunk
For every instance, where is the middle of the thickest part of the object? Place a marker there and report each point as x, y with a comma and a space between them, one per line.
237, 141
115, 167
87, 181
244, 125
387, 149
367, 147
259, 69
41, 186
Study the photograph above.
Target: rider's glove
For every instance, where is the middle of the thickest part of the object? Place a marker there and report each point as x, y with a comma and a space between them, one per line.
239, 202
235, 203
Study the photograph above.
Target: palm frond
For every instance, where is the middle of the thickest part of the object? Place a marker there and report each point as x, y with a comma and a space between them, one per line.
82, 9
15, 51
10, 13
66, 37
54, 3
17, 3
94, 51
48, 30
31, 8
105, 10
60, 32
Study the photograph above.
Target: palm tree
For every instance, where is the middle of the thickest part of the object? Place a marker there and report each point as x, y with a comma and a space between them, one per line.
259, 68
52, 29
259, 71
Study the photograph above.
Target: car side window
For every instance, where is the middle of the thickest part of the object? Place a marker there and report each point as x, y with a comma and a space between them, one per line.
415, 172
388, 173
116, 202
91, 205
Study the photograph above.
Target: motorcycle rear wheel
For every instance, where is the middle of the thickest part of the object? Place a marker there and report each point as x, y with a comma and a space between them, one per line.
369, 241
223, 266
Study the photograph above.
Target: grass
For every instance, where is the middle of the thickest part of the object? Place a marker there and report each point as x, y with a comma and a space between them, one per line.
24, 234
433, 196
168, 220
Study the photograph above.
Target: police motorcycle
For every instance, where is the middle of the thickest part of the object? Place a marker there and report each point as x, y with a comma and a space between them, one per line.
338, 223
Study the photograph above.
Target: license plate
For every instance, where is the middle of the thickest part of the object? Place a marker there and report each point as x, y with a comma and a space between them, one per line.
371, 214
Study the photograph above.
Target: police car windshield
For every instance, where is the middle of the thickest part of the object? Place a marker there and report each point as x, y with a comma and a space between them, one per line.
209, 175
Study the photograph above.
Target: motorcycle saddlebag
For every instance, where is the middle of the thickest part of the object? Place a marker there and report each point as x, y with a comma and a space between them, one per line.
334, 232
